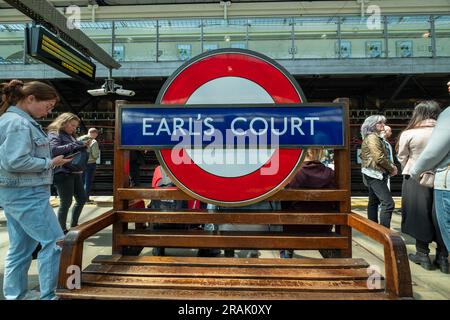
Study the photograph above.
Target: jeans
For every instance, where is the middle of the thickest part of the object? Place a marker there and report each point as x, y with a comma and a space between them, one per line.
68, 186
379, 194
30, 220
442, 203
88, 178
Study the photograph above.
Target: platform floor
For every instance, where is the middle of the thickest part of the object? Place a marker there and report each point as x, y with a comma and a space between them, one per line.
427, 285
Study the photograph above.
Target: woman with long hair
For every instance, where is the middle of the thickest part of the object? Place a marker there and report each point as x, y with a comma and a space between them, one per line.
376, 168
68, 184
418, 214
25, 178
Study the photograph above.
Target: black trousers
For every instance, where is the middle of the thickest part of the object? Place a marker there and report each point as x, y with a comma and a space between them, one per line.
379, 193
69, 186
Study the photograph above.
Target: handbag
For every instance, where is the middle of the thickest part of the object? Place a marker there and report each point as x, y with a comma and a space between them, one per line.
79, 161
427, 179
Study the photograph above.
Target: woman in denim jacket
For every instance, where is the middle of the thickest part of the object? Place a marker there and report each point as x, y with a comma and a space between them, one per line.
25, 179
68, 184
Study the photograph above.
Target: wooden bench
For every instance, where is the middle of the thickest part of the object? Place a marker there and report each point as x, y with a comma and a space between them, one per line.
121, 276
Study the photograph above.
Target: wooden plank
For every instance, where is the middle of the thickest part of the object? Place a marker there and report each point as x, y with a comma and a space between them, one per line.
198, 282
285, 194
72, 248
120, 180
227, 272
239, 217
105, 293
226, 262
231, 239
397, 271
343, 177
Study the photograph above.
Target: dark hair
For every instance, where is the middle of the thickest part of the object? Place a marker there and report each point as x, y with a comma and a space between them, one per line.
14, 91
426, 109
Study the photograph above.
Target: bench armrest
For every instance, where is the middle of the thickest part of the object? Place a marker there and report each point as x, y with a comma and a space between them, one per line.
398, 273
72, 248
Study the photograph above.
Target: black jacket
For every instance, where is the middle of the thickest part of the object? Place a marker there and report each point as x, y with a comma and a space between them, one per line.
62, 143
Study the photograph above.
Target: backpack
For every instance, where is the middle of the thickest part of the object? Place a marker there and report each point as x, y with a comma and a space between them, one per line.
166, 205
79, 162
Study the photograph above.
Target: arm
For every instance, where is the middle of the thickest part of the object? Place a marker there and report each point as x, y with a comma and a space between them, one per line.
403, 149
57, 147
95, 150
16, 157
377, 151
437, 148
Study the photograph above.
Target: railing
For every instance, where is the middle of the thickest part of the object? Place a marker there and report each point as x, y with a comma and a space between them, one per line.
337, 37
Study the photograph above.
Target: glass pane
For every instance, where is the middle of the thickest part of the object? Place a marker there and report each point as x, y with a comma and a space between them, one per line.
442, 26
409, 36
11, 43
100, 33
179, 39
360, 40
135, 41
316, 37
271, 36
220, 33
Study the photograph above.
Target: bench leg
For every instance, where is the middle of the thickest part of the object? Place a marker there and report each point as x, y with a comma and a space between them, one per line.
345, 231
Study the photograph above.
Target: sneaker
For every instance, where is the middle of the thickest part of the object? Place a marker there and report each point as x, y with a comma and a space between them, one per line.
286, 254
208, 253
158, 251
422, 259
253, 254
442, 263
229, 253
32, 295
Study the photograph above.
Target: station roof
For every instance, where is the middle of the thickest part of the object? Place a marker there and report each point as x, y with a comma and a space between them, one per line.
65, 3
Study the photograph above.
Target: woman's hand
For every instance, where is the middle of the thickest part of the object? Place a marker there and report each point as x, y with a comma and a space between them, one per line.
59, 161
87, 142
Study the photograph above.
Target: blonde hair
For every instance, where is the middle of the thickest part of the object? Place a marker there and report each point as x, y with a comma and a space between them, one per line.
314, 154
58, 124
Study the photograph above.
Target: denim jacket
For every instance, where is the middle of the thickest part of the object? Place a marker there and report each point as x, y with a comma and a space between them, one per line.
25, 159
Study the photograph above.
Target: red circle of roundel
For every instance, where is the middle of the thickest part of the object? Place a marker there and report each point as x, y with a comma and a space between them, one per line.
251, 187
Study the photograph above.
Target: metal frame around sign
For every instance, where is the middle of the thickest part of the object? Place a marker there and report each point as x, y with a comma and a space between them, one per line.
345, 113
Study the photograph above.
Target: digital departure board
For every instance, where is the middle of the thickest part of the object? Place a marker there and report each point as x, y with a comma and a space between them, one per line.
46, 47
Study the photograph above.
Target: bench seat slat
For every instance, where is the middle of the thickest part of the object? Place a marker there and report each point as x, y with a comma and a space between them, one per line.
284, 194
197, 282
236, 262
231, 239
228, 272
238, 217
97, 292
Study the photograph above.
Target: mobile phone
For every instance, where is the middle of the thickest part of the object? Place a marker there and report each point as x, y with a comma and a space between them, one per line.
71, 155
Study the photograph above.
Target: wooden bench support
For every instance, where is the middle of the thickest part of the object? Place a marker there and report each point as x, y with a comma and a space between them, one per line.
147, 277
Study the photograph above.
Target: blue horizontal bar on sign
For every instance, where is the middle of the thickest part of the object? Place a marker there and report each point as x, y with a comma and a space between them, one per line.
239, 126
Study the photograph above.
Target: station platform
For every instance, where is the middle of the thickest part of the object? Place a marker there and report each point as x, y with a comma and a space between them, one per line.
427, 285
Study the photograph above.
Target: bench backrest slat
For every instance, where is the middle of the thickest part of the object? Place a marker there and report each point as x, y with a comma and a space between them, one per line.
202, 217
340, 239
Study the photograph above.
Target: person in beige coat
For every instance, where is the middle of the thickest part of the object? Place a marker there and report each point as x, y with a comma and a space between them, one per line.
418, 215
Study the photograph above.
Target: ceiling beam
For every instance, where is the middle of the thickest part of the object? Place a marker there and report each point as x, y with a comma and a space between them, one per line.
44, 13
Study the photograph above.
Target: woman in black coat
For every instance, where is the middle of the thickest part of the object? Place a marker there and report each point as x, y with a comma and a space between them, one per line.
61, 133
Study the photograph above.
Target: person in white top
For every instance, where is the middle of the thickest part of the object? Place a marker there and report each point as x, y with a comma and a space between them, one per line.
385, 135
418, 217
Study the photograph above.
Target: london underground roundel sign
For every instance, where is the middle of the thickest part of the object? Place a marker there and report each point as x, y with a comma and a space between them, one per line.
232, 77
229, 127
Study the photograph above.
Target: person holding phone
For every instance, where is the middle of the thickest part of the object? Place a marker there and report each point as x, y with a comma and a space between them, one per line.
68, 184
94, 154
26, 174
